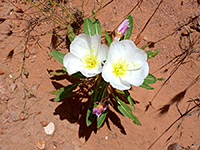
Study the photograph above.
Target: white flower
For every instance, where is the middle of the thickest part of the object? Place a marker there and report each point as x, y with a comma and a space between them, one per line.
125, 66
86, 55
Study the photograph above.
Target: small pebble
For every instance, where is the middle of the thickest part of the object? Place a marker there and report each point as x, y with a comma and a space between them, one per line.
33, 59
106, 137
13, 86
1, 72
174, 146
21, 117
4, 98
35, 87
50, 128
184, 33
14, 116
43, 123
41, 144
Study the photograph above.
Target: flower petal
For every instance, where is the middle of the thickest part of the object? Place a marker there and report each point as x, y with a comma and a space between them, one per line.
71, 63
102, 53
91, 72
137, 77
80, 46
108, 76
95, 43
128, 50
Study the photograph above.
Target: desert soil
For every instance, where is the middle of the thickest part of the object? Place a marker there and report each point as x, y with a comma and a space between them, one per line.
171, 122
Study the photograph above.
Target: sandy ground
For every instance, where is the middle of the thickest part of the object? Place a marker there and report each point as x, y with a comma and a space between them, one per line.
171, 122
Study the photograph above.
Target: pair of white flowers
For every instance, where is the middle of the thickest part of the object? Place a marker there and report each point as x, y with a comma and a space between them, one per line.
125, 64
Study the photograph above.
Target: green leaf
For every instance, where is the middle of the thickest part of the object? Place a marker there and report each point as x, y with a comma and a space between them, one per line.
93, 13
150, 79
71, 34
78, 75
101, 119
54, 92
88, 27
108, 38
119, 91
97, 26
129, 98
130, 29
56, 73
143, 47
64, 69
97, 96
65, 91
57, 55
89, 116
125, 110
146, 86
152, 53
136, 120
160, 79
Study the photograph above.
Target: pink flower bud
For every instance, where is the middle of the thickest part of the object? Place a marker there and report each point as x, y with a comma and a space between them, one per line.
121, 30
123, 27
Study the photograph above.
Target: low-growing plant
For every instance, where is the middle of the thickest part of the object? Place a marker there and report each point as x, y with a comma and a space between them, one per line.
108, 72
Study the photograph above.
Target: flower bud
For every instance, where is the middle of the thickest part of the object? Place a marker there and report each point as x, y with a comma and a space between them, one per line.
121, 30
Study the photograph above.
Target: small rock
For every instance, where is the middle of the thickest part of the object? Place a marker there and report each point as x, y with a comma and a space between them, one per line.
174, 146
14, 116
1, 72
41, 144
1, 130
2, 88
185, 33
54, 143
33, 59
35, 87
13, 86
50, 128
4, 98
106, 137
43, 123
22, 117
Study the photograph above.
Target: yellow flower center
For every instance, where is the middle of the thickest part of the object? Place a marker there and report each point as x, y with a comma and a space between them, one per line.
90, 61
120, 68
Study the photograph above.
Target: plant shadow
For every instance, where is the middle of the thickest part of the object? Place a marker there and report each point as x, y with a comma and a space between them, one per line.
74, 109
177, 98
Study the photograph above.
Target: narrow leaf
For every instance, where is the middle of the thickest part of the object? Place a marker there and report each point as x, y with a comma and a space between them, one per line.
136, 120
88, 27
97, 26
152, 53
146, 86
160, 79
89, 116
64, 69
71, 33
143, 47
95, 97
58, 55
150, 79
129, 31
78, 75
65, 91
56, 73
108, 38
54, 92
129, 98
125, 110
101, 119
